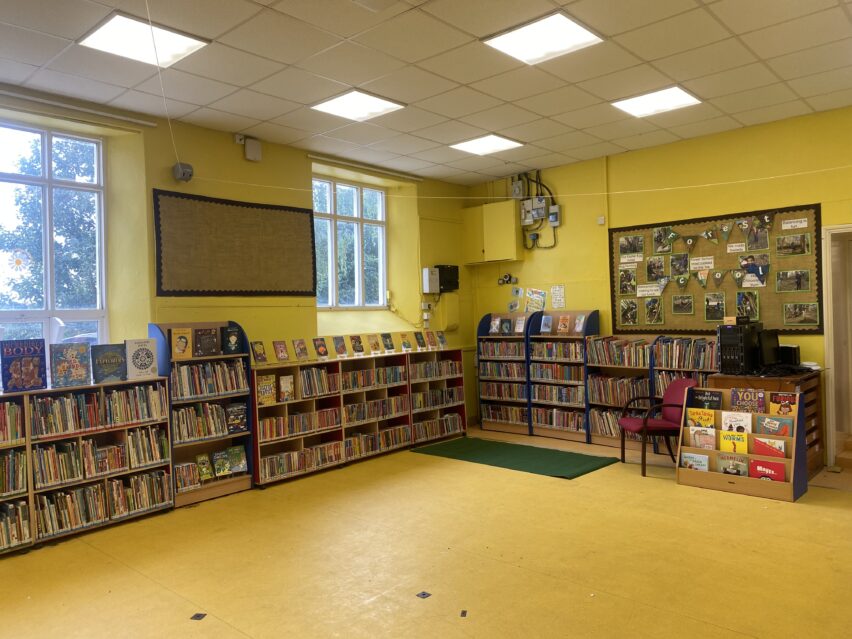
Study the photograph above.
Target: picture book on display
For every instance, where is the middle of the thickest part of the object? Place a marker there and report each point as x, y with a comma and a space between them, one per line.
69, 365
286, 389
301, 349
320, 347
109, 363
731, 464
520, 322
761, 469
775, 425
281, 352
421, 342
782, 403
265, 389
731, 442
431, 340
181, 343
749, 400
695, 461
24, 364
494, 329
205, 342
442, 340
563, 326
237, 459
710, 399
205, 468
221, 463
357, 344
505, 326
405, 342
387, 342
339, 346
259, 352
546, 324
230, 340
700, 417
141, 358
736, 421
375, 345
768, 447
579, 324
235, 418
702, 437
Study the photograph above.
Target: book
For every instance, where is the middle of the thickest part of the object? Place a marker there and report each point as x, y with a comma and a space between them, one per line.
301, 349
235, 417
768, 447
442, 340
520, 322
494, 328
505, 327
286, 388
221, 463
280, 348
711, 399
387, 342
431, 340
405, 342
731, 442
205, 468
418, 337
109, 363
339, 345
259, 352
782, 403
736, 421
357, 344
749, 400
205, 342
375, 344
730, 464
579, 324
181, 343
320, 347
775, 425
237, 459
776, 471
563, 326
70, 365
694, 461
230, 338
700, 417
24, 364
546, 324
265, 390
702, 437
141, 356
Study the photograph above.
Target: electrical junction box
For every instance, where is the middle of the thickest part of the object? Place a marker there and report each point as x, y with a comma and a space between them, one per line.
448, 277
553, 216
517, 189
526, 213
539, 207
431, 284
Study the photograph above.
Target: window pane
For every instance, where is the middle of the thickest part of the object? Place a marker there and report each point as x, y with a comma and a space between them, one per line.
322, 196
75, 160
347, 264
20, 152
374, 289
322, 236
75, 247
374, 205
85, 331
347, 200
21, 330
21, 254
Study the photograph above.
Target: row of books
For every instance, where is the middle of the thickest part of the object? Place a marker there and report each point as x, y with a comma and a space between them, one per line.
558, 419
187, 343
139, 493
204, 379
735, 464
15, 527
555, 373
605, 422
616, 351
208, 421
749, 400
685, 352
371, 377
615, 391
423, 371
662, 379
501, 349
572, 351
363, 444
498, 390
448, 424
101, 460
11, 423
134, 404
559, 394
505, 414
375, 409
740, 422
225, 463
502, 370
316, 381
437, 397
271, 428
13, 472
565, 324
287, 463
56, 464
147, 445
431, 341
745, 443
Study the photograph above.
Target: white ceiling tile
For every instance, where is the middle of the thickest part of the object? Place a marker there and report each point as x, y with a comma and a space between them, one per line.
451, 132
597, 151
754, 98
825, 82
308, 119
360, 133
351, 63
831, 100
712, 58
706, 127
486, 17
340, 17
299, 86
741, 17
591, 116
803, 33
469, 63
522, 153
694, 113
731, 81
64, 18
152, 104
273, 35
500, 117
205, 18
570, 140
441, 154
774, 112
408, 119
537, 130
226, 64
74, 86
459, 102
322, 144
673, 35
517, 84
644, 140
822, 58
609, 17
413, 36
270, 132
187, 87
104, 67
219, 120
409, 84
404, 144
620, 129
251, 104
407, 164
627, 83
27, 46
437, 171
15, 72
567, 98
590, 62
549, 160
475, 162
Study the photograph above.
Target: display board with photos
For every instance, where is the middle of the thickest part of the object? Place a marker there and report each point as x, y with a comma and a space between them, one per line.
686, 276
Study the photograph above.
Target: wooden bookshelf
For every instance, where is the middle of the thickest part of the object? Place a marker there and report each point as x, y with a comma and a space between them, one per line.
437, 395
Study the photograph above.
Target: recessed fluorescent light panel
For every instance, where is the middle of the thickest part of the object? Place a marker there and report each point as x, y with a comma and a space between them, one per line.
486, 144
544, 39
657, 102
357, 106
132, 38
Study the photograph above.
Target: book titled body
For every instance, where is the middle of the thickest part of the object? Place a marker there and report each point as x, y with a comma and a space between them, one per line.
782, 403
24, 364
141, 357
387, 342
405, 342
205, 342
711, 399
736, 421
357, 344
494, 328
301, 349
237, 459
339, 345
506, 326
520, 323
761, 469
281, 352
181, 343
230, 340
320, 347
731, 442
235, 418
70, 365
749, 400
731, 464
775, 425
442, 339
205, 468
421, 341
286, 388
769, 447
265, 390
694, 461
700, 417
375, 344
546, 325
259, 352
563, 326
221, 463
109, 363
703, 437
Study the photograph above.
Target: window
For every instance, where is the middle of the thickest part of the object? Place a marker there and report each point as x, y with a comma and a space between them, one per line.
349, 230
51, 236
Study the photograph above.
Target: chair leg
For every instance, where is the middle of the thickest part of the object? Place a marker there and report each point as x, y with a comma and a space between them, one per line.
622, 445
644, 440
669, 446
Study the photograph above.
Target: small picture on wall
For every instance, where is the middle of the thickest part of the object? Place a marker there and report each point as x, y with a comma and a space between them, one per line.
747, 304
790, 245
756, 267
627, 281
757, 239
714, 307
631, 244
679, 263
792, 281
683, 305
629, 312
656, 268
653, 310
801, 314
660, 237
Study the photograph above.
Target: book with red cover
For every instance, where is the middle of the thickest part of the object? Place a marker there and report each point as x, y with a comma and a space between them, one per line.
761, 469
768, 447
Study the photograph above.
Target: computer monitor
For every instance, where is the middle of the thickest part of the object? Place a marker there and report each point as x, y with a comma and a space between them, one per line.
768, 340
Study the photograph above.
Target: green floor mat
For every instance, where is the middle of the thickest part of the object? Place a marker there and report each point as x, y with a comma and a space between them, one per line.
528, 459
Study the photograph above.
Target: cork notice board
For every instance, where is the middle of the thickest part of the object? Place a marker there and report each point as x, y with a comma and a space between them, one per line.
686, 276
212, 247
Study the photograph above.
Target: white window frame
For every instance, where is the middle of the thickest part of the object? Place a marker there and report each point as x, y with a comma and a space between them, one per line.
51, 318
333, 217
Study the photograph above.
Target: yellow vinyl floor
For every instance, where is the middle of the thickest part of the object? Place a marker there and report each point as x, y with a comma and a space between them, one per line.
345, 552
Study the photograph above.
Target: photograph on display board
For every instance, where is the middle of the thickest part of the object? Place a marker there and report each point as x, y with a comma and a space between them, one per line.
792, 281
801, 314
627, 281
714, 307
683, 305
656, 268
660, 238
791, 245
748, 305
631, 244
756, 267
679, 264
653, 310
757, 239
629, 312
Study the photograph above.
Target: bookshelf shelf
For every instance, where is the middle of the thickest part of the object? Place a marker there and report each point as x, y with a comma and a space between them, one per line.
212, 489
208, 358
13, 495
98, 431
15, 444
245, 392
207, 440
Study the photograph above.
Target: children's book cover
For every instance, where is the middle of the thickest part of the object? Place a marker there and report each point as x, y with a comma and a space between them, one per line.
730, 464
431, 340
546, 324
109, 363
506, 326
221, 463
181, 343
141, 355
418, 337
286, 389
357, 344
301, 349
749, 400
736, 421
732, 442
782, 403
24, 363
700, 417
563, 326
387, 342
235, 417
70, 365
702, 437
694, 461
374, 343
205, 342
711, 399
769, 447
282, 354
775, 425
579, 324
520, 323
237, 459
405, 342
494, 329
320, 347
339, 345
762, 469
259, 352
265, 389
442, 340
230, 340
205, 468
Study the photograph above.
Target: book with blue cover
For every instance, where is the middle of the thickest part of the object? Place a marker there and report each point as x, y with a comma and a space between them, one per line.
70, 365
24, 364
109, 363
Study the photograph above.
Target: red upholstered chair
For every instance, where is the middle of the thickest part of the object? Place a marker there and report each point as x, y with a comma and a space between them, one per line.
666, 425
